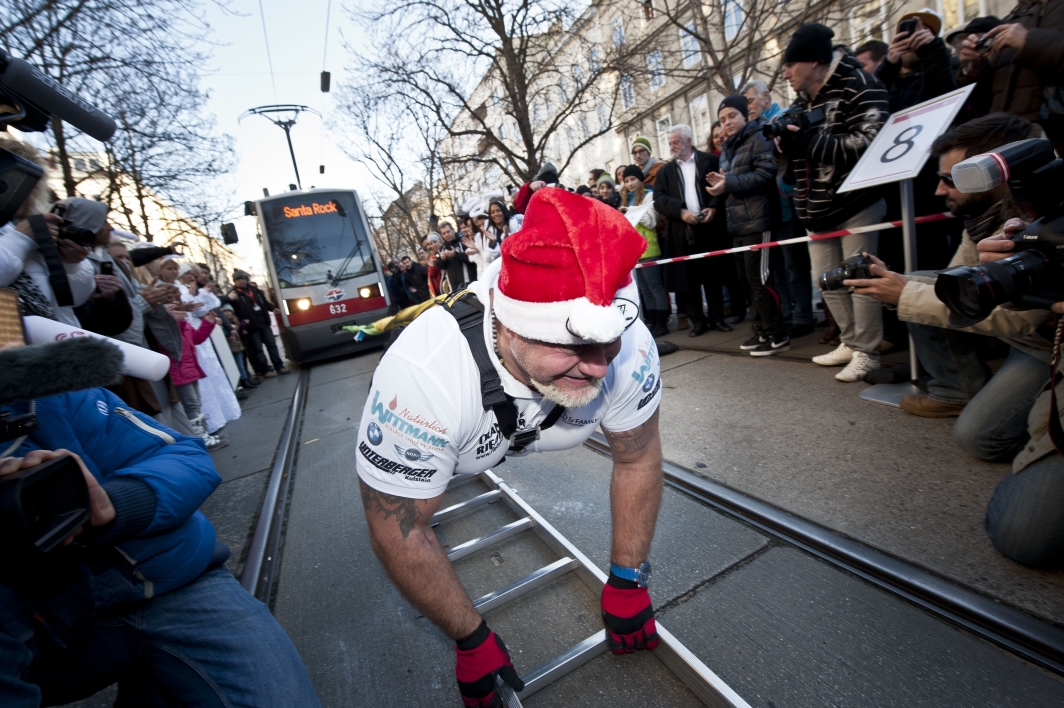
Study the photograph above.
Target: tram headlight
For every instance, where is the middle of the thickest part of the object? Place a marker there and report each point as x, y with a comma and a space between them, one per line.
369, 291
298, 305
303, 303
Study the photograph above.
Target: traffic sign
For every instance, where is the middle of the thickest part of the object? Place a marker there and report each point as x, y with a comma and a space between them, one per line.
901, 148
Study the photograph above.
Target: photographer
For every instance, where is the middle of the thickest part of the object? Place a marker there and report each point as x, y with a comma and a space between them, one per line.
1025, 516
992, 409
23, 266
747, 178
140, 593
850, 106
917, 67
691, 213
453, 258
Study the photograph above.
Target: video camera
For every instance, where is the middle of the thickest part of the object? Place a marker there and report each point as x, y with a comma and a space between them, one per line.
27, 98
1033, 277
797, 116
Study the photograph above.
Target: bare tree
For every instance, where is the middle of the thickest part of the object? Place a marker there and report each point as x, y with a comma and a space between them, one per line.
728, 42
511, 82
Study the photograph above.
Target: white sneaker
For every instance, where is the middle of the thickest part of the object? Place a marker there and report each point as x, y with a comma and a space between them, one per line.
859, 365
842, 355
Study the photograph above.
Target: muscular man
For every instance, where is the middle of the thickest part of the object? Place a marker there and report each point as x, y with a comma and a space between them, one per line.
560, 337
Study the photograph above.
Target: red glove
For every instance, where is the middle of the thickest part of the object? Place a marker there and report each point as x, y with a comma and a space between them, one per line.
628, 616
482, 656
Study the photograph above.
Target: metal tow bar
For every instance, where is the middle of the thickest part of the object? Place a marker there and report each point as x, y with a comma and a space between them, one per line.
698, 677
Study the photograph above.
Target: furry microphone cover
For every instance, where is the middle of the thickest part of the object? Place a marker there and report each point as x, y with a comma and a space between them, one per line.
41, 370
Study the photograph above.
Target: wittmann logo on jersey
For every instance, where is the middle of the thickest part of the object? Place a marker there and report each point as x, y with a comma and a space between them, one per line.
393, 467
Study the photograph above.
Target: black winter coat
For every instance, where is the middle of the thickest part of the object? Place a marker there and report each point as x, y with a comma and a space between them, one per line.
680, 237
933, 78
245, 306
753, 200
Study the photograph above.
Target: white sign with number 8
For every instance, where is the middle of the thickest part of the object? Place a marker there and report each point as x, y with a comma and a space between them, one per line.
901, 148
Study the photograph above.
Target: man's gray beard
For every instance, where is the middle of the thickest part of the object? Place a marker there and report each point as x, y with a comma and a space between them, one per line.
566, 399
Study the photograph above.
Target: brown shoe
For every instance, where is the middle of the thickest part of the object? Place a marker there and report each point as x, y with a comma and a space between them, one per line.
270, 375
282, 370
681, 321
927, 407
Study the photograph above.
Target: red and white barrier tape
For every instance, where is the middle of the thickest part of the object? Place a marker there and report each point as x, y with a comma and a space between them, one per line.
801, 239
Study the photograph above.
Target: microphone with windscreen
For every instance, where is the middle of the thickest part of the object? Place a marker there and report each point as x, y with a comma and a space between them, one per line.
981, 173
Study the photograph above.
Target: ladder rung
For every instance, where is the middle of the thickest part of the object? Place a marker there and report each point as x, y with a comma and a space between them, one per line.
568, 661
467, 505
477, 544
459, 479
525, 585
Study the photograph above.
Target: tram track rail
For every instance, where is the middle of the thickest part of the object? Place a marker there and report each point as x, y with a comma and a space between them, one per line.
1029, 637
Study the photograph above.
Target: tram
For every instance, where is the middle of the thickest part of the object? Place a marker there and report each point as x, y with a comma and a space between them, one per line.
324, 269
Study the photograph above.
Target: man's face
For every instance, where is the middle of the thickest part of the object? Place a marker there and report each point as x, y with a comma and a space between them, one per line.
679, 145
756, 104
567, 375
448, 232
869, 62
405, 263
241, 283
959, 203
641, 156
801, 75
103, 236
731, 121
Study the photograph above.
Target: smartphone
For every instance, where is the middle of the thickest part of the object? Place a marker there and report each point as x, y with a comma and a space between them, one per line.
107, 268
12, 334
907, 26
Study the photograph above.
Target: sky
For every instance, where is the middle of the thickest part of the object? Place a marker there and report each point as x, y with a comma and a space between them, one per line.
238, 78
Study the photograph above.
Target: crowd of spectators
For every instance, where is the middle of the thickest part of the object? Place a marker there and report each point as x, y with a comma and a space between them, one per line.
145, 295
746, 189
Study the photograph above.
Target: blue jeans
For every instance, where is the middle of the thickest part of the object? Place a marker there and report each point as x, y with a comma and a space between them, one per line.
1025, 517
796, 260
652, 289
208, 643
238, 357
952, 360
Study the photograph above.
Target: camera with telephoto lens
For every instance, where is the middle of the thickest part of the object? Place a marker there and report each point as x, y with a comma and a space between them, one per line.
857, 267
67, 230
795, 115
1033, 276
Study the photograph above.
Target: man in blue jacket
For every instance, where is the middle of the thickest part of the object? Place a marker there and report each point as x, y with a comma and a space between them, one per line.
140, 595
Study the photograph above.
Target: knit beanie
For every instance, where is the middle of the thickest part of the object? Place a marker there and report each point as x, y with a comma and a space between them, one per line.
737, 102
644, 142
634, 171
607, 180
811, 42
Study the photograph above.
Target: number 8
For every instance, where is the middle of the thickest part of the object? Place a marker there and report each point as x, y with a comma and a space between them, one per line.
899, 141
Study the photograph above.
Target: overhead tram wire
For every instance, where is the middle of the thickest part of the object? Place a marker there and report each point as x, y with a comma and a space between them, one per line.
324, 58
269, 58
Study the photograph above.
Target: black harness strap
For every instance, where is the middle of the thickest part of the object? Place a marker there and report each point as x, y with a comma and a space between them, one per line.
469, 312
57, 277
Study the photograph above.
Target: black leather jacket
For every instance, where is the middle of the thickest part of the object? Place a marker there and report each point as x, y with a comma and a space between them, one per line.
753, 200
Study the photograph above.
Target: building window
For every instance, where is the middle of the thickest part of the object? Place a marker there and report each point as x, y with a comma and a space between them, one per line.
578, 76
564, 89
617, 31
648, 9
495, 98
627, 92
656, 67
569, 139
594, 60
733, 18
689, 46
700, 121
663, 124
537, 113
869, 21
585, 130
502, 131
603, 117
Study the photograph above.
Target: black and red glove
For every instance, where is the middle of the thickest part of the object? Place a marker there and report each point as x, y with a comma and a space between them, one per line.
628, 616
482, 656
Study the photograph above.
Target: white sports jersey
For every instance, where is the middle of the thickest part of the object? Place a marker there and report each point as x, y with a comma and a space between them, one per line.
424, 419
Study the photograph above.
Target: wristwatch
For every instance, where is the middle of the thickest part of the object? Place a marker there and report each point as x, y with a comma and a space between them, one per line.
640, 575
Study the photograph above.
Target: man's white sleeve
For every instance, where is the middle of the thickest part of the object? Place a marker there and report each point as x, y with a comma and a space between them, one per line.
637, 387
407, 438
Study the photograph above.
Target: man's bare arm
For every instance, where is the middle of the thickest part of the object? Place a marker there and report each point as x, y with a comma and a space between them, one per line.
415, 561
635, 491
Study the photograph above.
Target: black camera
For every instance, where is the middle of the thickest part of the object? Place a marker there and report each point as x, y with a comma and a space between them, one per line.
1033, 277
857, 267
67, 230
795, 115
983, 46
42, 505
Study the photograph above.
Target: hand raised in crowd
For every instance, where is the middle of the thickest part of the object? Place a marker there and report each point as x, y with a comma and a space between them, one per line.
715, 183
211, 286
155, 295
52, 221
177, 312
177, 246
191, 306
998, 246
467, 241
537, 185
108, 285
101, 510
211, 317
70, 252
885, 287
905, 42
233, 295
1014, 35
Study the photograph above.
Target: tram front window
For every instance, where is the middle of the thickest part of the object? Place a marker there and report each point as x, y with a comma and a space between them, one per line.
311, 242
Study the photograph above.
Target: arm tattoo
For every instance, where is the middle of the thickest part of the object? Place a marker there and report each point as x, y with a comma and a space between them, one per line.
404, 510
632, 440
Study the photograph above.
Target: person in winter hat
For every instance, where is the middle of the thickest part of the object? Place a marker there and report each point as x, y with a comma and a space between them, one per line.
558, 352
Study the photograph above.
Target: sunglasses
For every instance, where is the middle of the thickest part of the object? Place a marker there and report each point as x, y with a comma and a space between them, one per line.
948, 179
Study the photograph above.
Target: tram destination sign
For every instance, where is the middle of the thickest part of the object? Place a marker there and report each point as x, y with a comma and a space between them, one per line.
312, 209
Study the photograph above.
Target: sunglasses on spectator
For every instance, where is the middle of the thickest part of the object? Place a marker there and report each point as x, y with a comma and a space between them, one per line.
948, 179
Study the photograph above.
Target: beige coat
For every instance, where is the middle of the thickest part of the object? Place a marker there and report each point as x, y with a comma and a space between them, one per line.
1018, 328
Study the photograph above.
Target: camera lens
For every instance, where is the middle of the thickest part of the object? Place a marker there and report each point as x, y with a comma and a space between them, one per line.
832, 280
972, 292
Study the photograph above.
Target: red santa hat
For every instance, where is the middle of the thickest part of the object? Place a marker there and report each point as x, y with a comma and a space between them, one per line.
561, 273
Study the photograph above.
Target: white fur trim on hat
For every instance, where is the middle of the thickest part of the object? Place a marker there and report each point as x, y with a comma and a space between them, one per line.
564, 322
